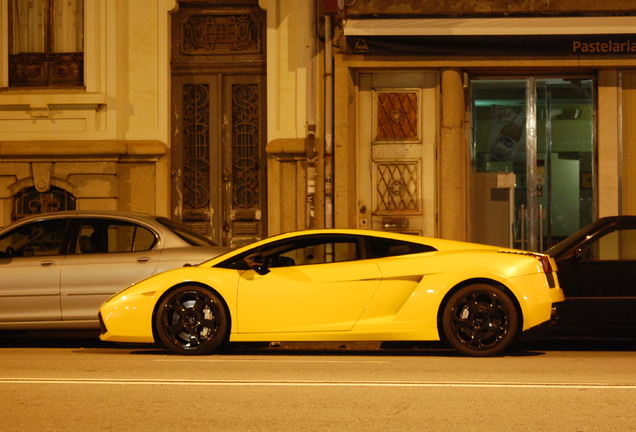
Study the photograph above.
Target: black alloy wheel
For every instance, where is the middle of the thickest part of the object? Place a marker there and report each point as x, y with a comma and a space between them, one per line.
480, 320
191, 320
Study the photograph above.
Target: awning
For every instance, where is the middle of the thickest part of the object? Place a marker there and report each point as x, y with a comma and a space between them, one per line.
491, 26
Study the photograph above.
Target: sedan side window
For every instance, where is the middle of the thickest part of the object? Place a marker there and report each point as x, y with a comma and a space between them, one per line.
103, 236
613, 246
35, 239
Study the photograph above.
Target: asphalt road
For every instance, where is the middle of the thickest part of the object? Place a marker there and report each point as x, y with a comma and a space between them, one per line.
79, 384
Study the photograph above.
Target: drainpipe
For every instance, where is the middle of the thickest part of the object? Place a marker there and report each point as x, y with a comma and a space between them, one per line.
310, 143
310, 140
328, 158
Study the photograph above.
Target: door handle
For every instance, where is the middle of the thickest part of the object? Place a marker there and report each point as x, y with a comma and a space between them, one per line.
143, 260
47, 263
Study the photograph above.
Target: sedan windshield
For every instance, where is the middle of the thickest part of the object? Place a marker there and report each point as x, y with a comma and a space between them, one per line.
565, 245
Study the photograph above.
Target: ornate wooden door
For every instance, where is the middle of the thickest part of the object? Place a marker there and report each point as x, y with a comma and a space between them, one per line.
218, 121
396, 151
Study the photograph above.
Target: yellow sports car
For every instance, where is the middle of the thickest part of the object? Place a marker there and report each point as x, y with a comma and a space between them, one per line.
342, 285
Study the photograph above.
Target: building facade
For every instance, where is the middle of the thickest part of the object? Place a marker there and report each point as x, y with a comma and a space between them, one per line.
530, 105
84, 120
500, 122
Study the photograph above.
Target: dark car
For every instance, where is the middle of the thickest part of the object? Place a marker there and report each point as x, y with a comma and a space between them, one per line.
597, 272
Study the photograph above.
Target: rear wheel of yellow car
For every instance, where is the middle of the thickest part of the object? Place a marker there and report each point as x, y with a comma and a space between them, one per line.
191, 320
480, 320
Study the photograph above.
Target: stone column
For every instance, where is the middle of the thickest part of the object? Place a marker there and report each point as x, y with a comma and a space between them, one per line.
453, 159
628, 145
608, 143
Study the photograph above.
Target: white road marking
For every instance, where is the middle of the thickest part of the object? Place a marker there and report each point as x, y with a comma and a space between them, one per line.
234, 360
316, 383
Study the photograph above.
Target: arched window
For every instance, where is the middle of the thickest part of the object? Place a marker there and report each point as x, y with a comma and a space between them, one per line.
29, 201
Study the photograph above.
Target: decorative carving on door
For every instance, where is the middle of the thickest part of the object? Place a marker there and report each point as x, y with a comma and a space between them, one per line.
245, 145
397, 116
196, 142
397, 187
221, 34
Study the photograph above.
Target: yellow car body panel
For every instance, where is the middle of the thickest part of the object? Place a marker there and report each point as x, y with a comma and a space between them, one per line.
306, 298
392, 298
128, 315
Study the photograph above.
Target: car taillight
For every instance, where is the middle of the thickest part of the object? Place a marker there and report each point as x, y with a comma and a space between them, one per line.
544, 260
546, 264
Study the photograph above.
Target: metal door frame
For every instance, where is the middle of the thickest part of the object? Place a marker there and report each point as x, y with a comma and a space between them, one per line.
531, 215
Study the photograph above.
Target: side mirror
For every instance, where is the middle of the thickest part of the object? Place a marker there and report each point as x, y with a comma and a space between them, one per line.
5, 257
258, 263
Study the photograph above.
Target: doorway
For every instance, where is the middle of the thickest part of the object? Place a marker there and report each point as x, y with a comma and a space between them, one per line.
396, 167
532, 153
218, 163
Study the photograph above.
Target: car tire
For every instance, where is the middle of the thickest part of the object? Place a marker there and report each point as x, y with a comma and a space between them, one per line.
191, 320
480, 320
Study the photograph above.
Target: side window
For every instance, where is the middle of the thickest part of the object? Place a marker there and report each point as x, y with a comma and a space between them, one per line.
384, 247
319, 250
35, 239
613, 246
102, 235
315, 249
143, 239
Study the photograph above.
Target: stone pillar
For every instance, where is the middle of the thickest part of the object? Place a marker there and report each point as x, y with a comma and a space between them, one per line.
608, 143
628, 169
453, 160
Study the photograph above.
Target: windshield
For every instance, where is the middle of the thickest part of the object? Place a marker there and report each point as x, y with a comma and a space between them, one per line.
191, 237
564, 245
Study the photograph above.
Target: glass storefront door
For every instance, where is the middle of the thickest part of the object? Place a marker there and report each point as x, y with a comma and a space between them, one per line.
539, 132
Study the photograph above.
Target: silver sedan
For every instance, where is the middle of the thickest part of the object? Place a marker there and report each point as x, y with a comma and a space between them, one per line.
57, 268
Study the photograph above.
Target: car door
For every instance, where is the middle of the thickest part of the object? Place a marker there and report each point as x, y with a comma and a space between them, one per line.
30, 264
107, 255
598, 282
314, 284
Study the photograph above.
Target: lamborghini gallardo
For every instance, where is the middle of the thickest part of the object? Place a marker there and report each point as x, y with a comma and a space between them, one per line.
342, 285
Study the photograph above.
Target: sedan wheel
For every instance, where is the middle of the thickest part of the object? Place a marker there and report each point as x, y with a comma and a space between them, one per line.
480, 320
191, 320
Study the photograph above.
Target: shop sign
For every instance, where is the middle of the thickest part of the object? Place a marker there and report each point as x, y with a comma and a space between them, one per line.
496, 46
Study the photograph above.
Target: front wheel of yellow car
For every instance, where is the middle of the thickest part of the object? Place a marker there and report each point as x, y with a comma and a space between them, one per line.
191, 320
480, 320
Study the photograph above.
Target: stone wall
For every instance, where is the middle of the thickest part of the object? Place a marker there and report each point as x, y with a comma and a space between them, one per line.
105, 175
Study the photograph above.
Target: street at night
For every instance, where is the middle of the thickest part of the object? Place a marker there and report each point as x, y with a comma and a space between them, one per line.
78, 383
200, 198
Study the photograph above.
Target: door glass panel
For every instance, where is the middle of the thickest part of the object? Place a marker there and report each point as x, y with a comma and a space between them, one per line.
565, 148
553, 192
